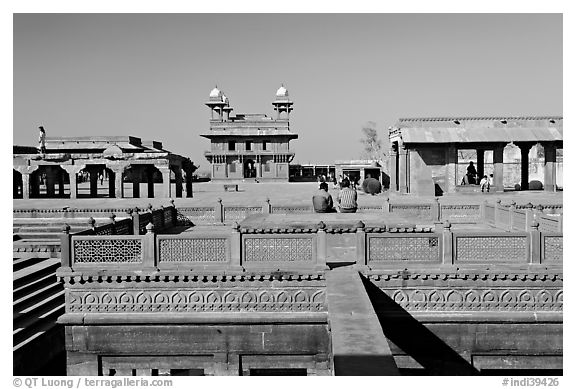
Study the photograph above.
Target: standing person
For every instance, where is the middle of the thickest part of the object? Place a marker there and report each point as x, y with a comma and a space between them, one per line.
322, 200
347, 198
42, 140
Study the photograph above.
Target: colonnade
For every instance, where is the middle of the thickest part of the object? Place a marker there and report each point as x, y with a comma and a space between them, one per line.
27, 179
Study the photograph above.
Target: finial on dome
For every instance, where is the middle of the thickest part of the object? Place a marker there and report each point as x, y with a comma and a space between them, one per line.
282, 91
215, 92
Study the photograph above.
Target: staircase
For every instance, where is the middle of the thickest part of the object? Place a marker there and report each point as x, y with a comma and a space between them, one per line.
38, 301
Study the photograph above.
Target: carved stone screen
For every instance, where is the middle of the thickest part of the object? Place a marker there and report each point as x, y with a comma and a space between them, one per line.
281, 249
492, 248
107, 251
404, 248
193, 250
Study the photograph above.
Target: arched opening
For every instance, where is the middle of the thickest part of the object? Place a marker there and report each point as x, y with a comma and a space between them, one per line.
49, 182
249, 169
17, 185
95, 181
143, 178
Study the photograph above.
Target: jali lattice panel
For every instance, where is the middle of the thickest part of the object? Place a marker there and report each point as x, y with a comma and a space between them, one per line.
552, 248
281, 249
232, 214
412, 211
107, 250
404, 248
460, 213
491, 248
193, 250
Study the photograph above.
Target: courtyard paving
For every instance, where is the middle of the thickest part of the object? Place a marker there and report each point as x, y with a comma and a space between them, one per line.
251, 194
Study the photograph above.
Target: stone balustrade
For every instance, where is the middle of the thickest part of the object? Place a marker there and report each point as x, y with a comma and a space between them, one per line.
275, 242
513, 217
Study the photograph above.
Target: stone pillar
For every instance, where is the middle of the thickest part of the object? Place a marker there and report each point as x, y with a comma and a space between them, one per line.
452, 178
25, 185
60, 183
393, 167
480, 163
166, 187
119, 183
93, 183
73, 171
51, 178
150, 181
403, 170
136, 174
189, 192
178, 176
499, 168
524, 180
549, 167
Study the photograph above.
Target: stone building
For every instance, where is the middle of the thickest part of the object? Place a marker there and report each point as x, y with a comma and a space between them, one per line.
249, 146
106, 163
424, 151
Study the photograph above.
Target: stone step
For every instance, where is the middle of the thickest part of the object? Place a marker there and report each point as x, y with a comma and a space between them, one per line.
34, 327
33, 285
41, 308
40, 294
28, 260
34, 272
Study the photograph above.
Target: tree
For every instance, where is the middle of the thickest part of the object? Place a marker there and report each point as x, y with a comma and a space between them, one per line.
374, 148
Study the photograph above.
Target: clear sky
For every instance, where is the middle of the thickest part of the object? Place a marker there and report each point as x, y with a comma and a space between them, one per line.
148, 75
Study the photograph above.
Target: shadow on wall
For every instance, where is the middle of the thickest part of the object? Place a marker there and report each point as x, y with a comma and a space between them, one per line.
417, 341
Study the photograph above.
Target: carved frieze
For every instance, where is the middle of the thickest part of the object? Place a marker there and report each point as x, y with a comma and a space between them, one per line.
477, 299
196, 300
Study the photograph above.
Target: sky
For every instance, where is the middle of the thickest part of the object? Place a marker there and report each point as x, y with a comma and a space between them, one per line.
149, 75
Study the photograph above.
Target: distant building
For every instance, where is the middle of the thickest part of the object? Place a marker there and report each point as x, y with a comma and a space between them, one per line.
105, 164
249, 147
429, 156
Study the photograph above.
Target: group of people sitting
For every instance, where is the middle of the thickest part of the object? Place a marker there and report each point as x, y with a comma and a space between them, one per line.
471, 178
347, 199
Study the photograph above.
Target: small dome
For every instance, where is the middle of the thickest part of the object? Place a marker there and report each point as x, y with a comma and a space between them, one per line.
282, 92
215, 92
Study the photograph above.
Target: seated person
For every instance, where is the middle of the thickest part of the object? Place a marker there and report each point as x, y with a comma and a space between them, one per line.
485, 184
347, 198
471, 173
322, 200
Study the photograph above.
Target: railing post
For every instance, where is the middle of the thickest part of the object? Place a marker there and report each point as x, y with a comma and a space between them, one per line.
497, 213
538, 213
66, 248
435, 210
113, 222
236, 248
511, 211
447, 244
560, 222
529, 216
219, 211
149, 249
534, 243
135, 221
321, 246
386, 205
360, 244
162, 219
92, 223
174, 220
266, 207
483, 211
